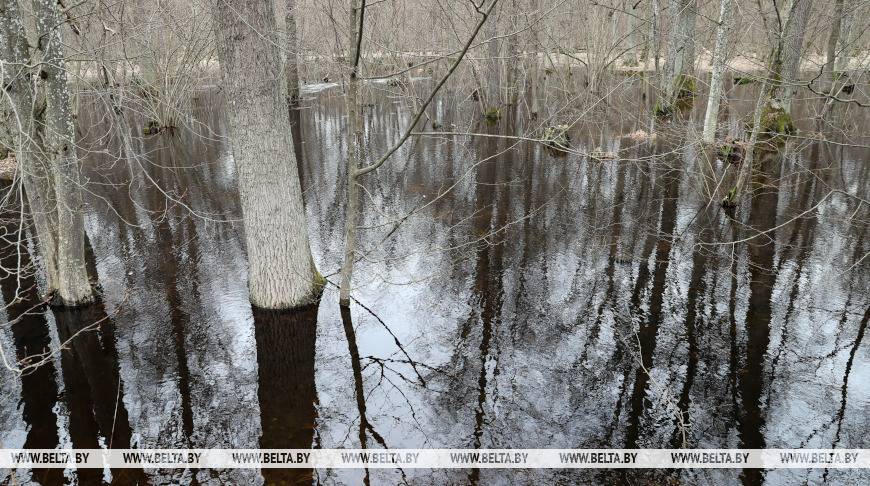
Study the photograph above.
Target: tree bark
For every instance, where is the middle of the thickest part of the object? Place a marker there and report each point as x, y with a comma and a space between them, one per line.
533, 32
291, 66
281, 270
831, 51
59, 148
790, 48
681, 48
354, 38
846, 33
493, 65
19, 103
45, 147
720, 56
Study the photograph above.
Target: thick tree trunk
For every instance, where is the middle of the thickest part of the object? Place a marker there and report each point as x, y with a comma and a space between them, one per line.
50, 172
291, 66
681, 49
19, 105
790, 47
281, 270
59, 148
720, 56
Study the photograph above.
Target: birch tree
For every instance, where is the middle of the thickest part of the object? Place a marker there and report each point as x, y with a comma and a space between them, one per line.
281, 269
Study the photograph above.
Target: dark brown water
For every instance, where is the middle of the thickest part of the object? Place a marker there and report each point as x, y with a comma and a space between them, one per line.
512, 312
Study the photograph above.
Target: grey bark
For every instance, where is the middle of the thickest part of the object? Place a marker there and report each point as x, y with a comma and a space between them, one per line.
19, 108
45, 147
59, 148
354, 36
847, 31
291, 67
281, 270
787, 63
533, 32
493, 66
681, 46
833, 39
720, 56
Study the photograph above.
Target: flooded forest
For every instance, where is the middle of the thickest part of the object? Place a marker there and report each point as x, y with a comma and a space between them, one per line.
434, 224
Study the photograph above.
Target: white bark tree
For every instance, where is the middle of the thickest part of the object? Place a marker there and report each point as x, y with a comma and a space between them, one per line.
281, 269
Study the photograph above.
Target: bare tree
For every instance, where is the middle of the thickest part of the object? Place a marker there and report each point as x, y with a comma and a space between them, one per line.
785, 63
679, 82
281, 269
720, 55
46, 147
354, 172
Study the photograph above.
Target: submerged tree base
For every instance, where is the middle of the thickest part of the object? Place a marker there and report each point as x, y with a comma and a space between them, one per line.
775, 122
557, 138
54, 300
493, 113
683, 97
731, 151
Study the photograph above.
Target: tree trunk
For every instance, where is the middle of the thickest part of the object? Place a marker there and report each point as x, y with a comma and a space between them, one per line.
35, 173
50, 172
356, 25
533, 32
493, 71
790, 47
720, 56
59, 148
681, 51
291, 66
831, 51
847, 30
281, 270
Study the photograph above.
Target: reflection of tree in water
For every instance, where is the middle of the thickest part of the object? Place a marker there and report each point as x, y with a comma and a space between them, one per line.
286, 389
93, 391
648, 331
366, 427
31, 338
751, 380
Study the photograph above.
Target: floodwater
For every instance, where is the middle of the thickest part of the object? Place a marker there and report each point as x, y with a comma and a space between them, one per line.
514, 309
